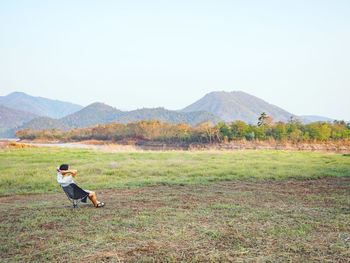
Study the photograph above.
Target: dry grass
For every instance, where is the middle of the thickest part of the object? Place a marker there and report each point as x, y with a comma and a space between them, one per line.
16, 145
237, 221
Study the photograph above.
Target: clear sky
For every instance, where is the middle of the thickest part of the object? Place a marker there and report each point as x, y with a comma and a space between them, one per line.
133, 54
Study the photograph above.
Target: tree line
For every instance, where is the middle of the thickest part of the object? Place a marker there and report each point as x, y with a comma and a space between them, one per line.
154, 130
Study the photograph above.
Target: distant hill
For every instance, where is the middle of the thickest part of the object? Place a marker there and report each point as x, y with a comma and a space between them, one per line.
164, 115
213, 107
11, 119
237, 105
41, 123
93, 114
99, 113
38, 105
314, 118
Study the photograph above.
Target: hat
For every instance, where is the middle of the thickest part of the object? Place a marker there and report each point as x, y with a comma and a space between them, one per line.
64, 167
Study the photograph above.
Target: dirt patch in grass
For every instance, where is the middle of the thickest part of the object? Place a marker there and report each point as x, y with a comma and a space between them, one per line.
231, 221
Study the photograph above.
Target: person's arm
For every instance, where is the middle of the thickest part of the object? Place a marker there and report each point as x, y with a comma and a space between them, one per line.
66, 172
73, 172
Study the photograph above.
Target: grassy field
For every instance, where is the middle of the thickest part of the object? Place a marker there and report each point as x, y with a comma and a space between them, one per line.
251, 206
33, 170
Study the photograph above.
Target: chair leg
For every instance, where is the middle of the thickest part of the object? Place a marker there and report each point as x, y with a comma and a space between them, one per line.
79, 207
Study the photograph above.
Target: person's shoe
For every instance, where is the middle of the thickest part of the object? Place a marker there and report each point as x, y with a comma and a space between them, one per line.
100, 204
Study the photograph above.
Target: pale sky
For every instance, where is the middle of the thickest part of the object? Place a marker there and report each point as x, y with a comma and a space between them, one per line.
133, 54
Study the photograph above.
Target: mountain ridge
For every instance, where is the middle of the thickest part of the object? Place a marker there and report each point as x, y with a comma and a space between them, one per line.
87, 116
14, 117
11, 119
315, 118
238, 105
214, 106
39, 105
100, 113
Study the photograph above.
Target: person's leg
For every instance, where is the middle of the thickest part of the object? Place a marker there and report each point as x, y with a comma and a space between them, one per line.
92, 197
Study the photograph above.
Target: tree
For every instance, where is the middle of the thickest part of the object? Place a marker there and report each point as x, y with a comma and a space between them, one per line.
239, 130
224, 131
319, 131
262, 119
279, 131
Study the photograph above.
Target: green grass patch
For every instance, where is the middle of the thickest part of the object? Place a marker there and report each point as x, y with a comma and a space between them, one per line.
32, 170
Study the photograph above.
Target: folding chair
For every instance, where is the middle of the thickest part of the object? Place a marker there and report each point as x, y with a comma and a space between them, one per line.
75, 194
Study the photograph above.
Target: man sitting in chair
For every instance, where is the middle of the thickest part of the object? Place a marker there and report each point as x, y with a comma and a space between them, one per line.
65, 178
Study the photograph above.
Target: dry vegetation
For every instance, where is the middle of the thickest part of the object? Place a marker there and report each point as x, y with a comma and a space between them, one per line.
250, 220
205, 133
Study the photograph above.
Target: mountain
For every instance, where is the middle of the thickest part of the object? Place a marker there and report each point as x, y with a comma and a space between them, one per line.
237, 105
214, 106
42, 123
94, 114
11, 119
164, 115
314, 118
38, 105
99, 113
